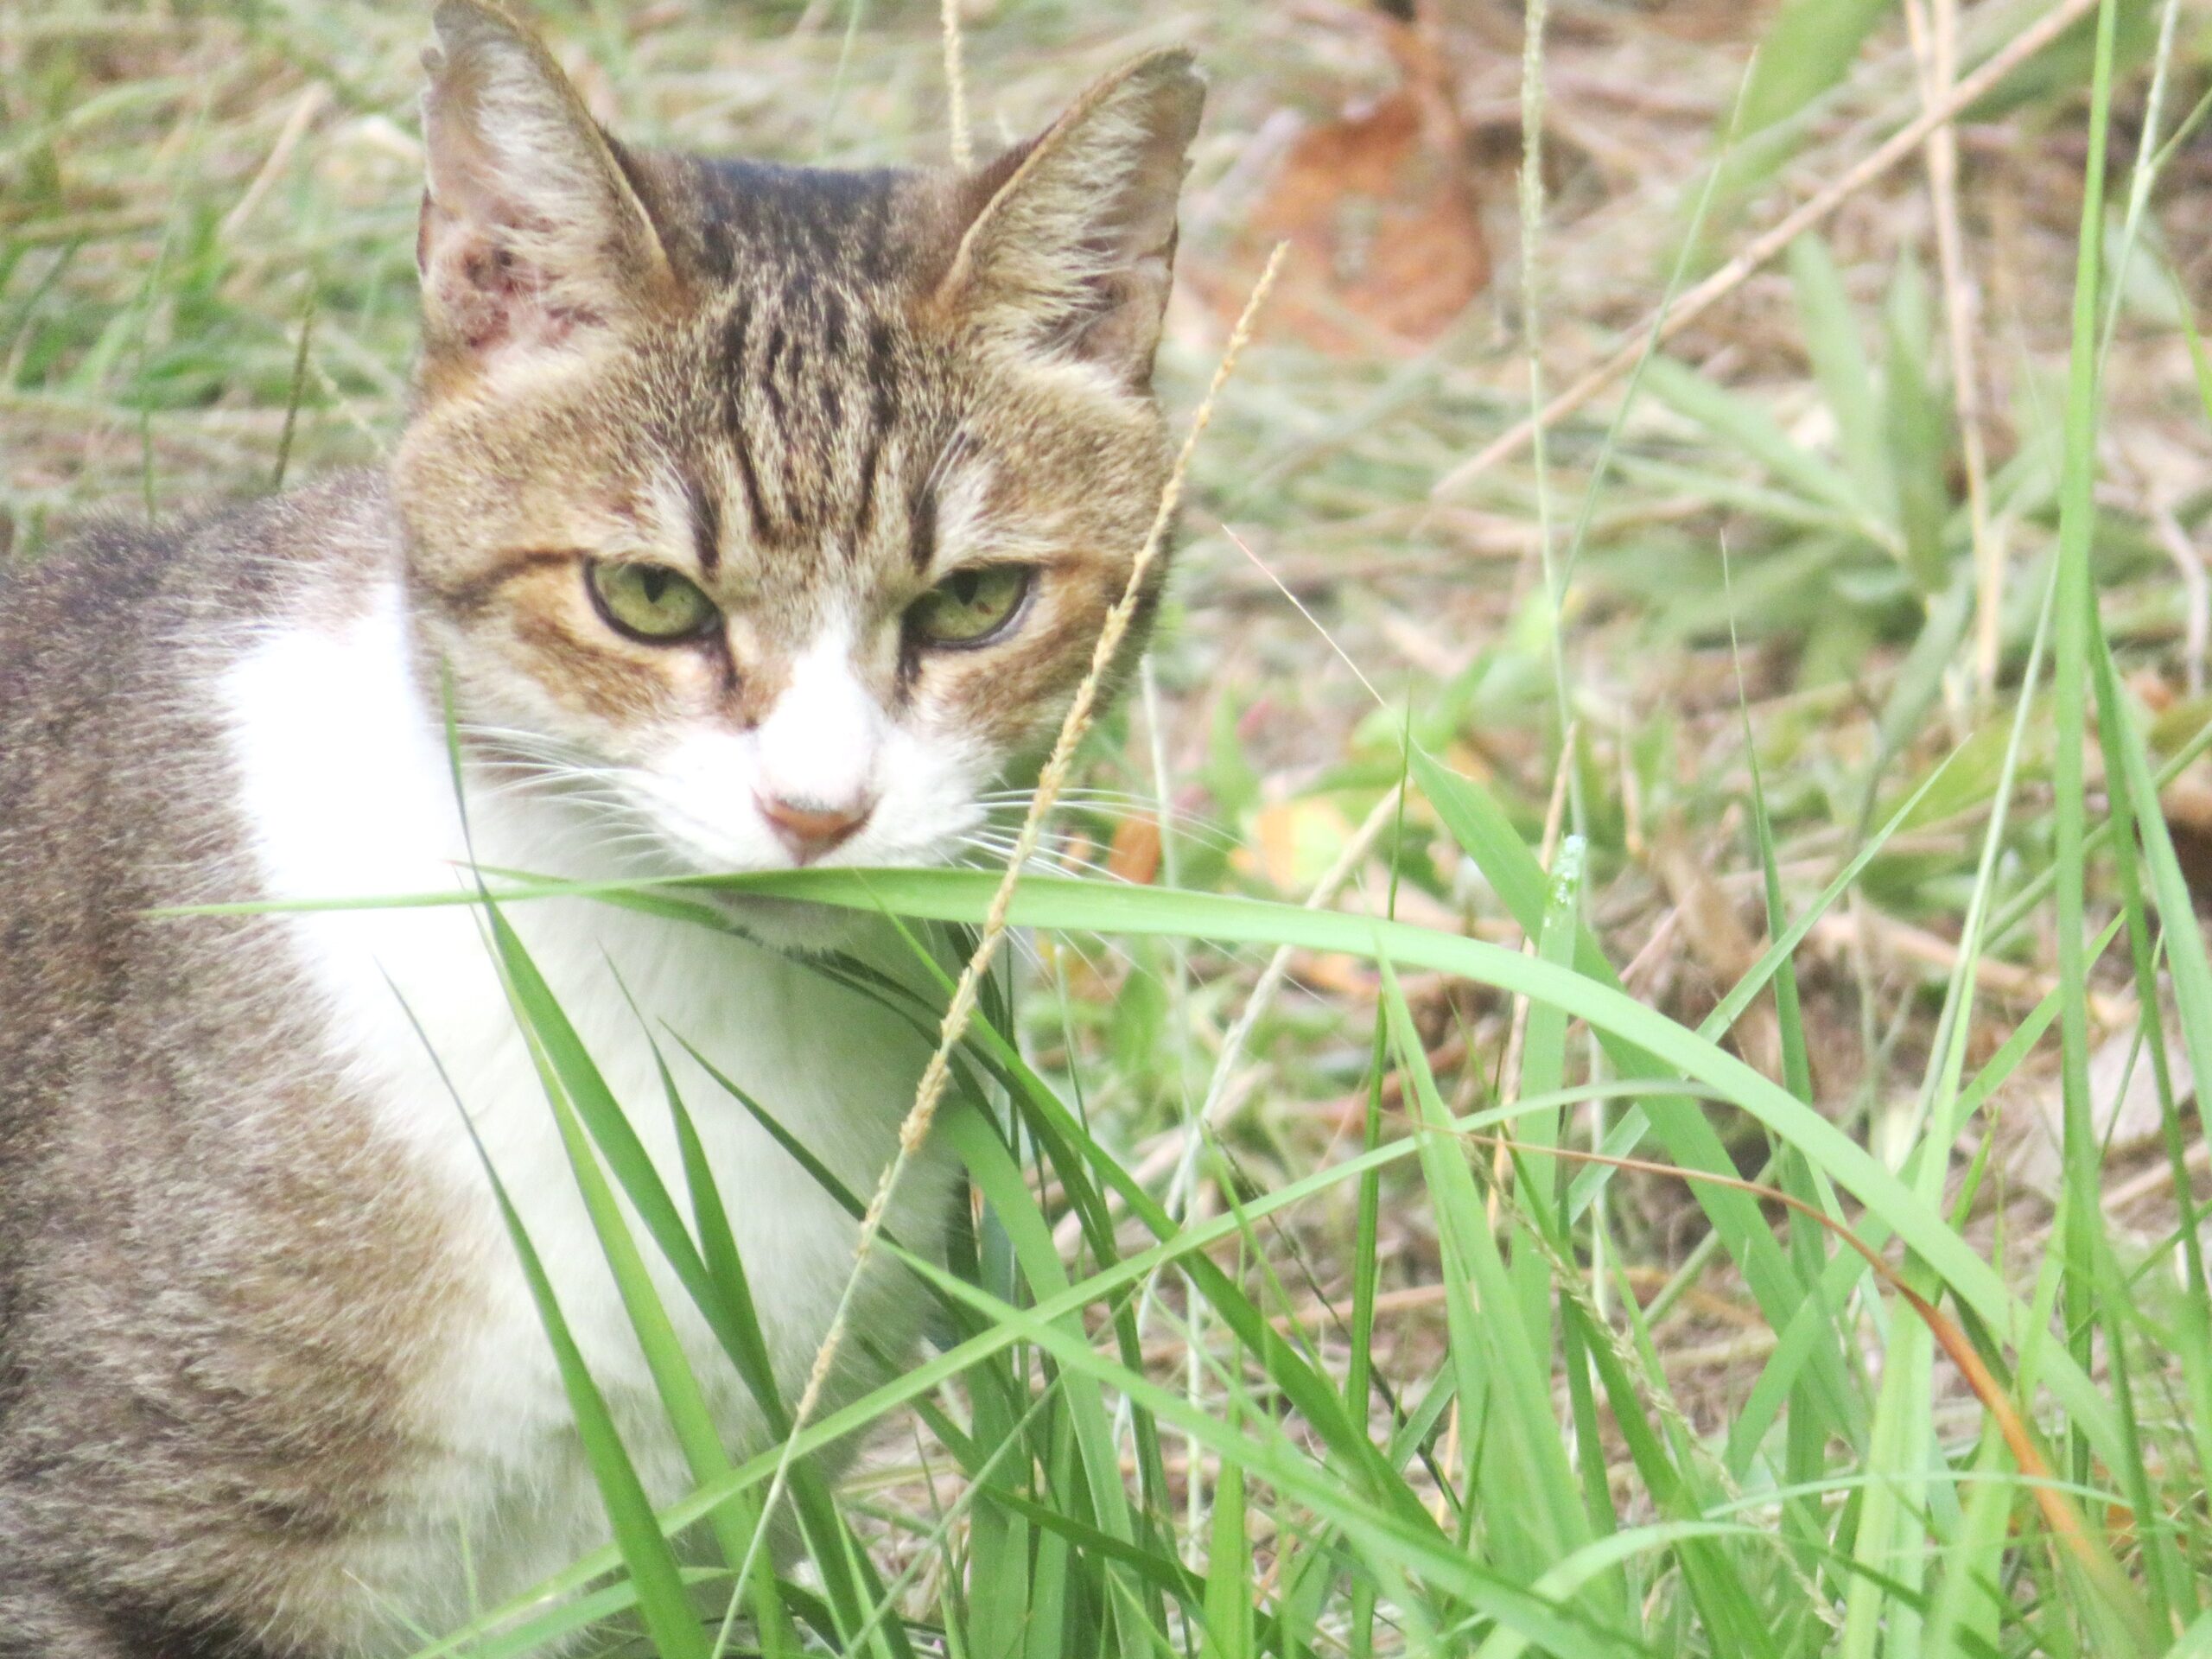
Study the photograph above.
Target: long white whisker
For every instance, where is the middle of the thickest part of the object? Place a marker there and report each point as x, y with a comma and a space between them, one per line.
1190, 825
956, 443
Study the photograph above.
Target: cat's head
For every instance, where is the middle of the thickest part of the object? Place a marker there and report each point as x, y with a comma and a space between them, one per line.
782, 505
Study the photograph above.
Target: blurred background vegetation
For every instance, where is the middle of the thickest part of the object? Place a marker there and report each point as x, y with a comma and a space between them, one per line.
1827, 519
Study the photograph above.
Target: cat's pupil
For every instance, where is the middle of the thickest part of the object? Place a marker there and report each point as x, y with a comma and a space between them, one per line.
966, 585
655, 582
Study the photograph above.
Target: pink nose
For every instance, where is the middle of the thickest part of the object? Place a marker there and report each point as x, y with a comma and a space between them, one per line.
811, 831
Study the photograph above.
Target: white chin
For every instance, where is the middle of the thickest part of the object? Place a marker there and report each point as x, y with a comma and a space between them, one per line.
791, 924
783, 924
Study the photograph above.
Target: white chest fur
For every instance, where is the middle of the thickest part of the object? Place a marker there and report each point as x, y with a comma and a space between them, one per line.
346, 787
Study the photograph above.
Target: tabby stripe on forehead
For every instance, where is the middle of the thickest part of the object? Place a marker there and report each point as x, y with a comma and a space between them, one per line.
879, 418
735, 343
924, 544
755, 507
777, 340
706, 526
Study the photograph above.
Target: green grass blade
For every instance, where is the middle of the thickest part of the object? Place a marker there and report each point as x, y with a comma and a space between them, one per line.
1744, 426
2077, 620
663, 1605
616, 1139
1562, 1626
1969, 1609
1543, 1053
1918, 427
778, 1637
682, 1398
718, 1254
1732, 1609
1083, 907
991, 1339
1504, 1363
1047, 901
1807, 49
1841, 365
2191, 970
1483, 832
2200, 361
1805, 1452
1229, 1572
797, 1150
2195, 1643
1003, 1186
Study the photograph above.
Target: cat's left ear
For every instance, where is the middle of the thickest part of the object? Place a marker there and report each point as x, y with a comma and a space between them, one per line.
1071, 247
532, 237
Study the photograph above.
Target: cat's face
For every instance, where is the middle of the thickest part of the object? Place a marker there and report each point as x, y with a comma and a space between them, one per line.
780, 509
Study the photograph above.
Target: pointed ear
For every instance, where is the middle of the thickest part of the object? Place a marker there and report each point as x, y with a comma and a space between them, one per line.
531, 235
1072, 247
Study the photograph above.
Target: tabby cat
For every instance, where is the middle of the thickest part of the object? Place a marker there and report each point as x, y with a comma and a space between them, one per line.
746, 517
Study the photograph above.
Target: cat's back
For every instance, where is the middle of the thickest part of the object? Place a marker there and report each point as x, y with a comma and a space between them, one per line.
85, 632
114, 793
139, 1215
109, 642
78, 621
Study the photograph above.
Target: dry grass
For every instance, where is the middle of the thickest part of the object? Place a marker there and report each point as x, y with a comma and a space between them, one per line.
186, 196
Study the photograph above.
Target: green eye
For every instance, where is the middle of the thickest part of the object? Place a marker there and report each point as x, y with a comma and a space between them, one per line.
970, 606
650, 602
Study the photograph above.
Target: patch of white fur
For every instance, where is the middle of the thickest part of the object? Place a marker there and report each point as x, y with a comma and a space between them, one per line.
344, 779
819, 743
826, 743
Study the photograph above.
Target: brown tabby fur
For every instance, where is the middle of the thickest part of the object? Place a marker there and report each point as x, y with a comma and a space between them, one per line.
216, 1282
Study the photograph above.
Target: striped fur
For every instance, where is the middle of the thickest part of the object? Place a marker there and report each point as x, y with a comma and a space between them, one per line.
270, 1386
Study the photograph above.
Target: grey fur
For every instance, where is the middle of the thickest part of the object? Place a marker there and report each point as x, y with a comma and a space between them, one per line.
216, 1282
184, 1404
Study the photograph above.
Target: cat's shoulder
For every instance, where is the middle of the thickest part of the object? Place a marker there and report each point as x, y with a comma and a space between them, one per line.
118, 573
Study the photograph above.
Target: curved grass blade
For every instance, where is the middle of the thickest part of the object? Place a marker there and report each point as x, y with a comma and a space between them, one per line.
1047, 901
664, 1605
1562, 1626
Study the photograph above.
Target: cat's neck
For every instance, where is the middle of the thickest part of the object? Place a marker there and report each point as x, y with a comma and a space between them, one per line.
361, 772
347, 779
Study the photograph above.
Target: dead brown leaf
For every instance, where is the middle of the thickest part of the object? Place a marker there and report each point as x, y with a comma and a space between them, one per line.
1135, 855
1713, 928
1381, 213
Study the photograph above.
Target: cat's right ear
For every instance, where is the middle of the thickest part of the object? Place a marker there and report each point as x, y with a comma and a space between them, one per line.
532, 239
1071, 245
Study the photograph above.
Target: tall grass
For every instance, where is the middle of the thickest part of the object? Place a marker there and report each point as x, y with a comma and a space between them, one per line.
1940, 1447
1840, 1517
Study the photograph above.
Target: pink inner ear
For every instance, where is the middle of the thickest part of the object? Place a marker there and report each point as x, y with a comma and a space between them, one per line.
488, 294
